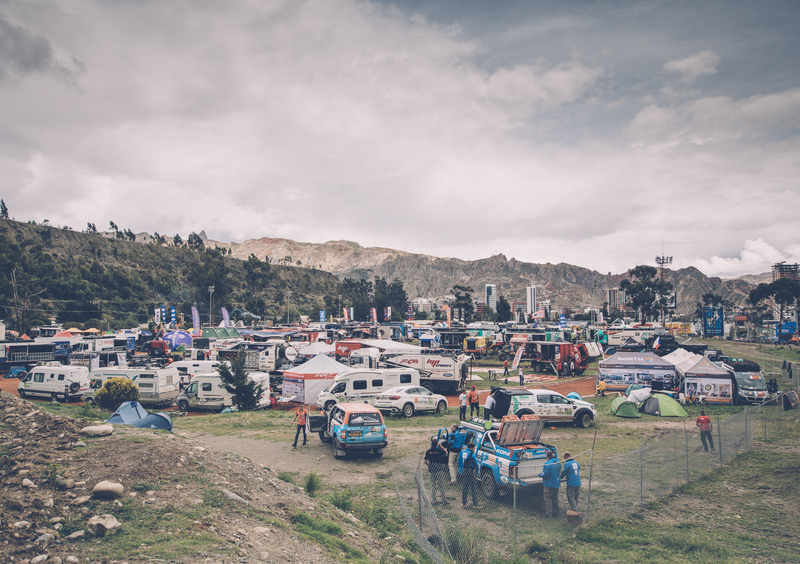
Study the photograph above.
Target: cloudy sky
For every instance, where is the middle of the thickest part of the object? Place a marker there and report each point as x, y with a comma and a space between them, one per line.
549, 131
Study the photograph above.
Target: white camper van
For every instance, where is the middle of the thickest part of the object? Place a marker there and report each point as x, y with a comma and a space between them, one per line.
157, 386
55, 381
362, 385
206, 391
191, 368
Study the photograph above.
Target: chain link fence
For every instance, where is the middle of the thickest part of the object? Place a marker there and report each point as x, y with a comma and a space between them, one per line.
500, 522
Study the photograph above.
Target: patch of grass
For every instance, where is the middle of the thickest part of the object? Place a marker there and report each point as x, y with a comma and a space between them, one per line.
143, 487
51, 474
287, 477
342, 498
313, 483
327, 534
467, 545
238, 423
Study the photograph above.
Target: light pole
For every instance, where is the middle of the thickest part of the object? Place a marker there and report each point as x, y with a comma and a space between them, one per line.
210, 315
288, 296
340, 306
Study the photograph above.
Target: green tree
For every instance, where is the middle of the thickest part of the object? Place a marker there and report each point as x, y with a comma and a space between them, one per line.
503, 309
358, 294
463, 301
177, 240
195, 242
645, 293
256, 273
708, 299
783, 293
3, 210
236, 382
210, 270
115, 392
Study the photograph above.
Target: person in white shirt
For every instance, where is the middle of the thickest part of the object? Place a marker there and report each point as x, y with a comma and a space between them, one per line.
462, 405
488, 406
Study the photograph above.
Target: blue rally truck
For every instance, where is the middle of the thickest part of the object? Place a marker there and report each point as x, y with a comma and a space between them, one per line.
509, 452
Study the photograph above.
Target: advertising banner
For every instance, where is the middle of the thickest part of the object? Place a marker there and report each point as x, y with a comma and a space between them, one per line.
196, 322
713, 390
322, 316
517, 357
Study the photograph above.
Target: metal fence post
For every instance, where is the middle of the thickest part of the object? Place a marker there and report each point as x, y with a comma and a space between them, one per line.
765, 423
719, 441
516, 477
686, 452
641, 473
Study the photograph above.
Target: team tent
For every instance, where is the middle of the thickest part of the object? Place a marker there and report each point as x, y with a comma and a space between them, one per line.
624, 408
644, 368
304, 383
178, 338
706, 380
662, 405
313, 349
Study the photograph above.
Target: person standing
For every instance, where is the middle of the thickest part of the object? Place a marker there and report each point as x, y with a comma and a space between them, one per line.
462, 405
488, 405
572, 472
551, 482
300, 416
455, 441
521, 377
436, 460
468, 470
505, 368
705, 430
474, 405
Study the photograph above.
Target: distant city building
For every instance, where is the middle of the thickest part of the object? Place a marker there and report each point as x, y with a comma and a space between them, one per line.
783, 270
490, 296
616, 299
422, 305
530, 297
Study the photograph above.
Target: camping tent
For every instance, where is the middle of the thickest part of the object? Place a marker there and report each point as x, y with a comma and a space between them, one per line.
639, 395
632, 387
132, 413
624, 408
662, 405
706, 379
643, 368
305, 382
694, 346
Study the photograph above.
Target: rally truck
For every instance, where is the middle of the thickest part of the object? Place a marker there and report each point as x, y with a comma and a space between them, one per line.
509, 452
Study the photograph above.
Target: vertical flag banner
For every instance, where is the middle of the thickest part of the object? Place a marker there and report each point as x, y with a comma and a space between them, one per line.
226, 318
196, 321
352, 314
157, 316
163, 314
172, 315
410, 312
346, 311
563, 320
387, 313
322, 316
517, 357
373, 315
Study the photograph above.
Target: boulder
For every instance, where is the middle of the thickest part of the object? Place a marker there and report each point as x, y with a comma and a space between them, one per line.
99, 525
107, 490
97, 430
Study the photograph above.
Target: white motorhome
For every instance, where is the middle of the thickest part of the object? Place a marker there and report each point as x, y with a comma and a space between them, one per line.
440, 372
157, 386
188, 369
55, 381
363, 385
207, 391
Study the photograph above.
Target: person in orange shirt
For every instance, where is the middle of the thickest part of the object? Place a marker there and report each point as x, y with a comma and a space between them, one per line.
300, 416
704, 423
472, 397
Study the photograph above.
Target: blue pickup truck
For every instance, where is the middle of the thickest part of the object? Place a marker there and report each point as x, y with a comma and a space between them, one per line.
509, 452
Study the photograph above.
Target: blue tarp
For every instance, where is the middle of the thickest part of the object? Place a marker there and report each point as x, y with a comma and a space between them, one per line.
132, 413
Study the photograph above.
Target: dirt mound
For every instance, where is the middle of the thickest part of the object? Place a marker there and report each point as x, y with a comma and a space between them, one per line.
237, 510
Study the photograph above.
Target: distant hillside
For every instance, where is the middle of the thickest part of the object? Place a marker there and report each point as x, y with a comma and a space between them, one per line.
428, 276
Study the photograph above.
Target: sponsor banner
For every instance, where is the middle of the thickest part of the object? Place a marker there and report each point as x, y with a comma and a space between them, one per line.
373, 315
517, 357
538, 315
322, 316
346, 312
226, 318
172, 315
196, 321
387, 313
157, 316
713, 390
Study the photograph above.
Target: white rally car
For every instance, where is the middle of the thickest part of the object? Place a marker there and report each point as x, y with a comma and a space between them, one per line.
409, 399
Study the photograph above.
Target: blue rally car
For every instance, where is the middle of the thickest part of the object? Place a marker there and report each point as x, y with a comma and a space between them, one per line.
351, 427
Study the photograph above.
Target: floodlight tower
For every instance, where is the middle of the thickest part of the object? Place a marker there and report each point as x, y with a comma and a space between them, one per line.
663, 262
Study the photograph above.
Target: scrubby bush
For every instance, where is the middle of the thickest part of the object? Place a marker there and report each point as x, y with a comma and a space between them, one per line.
115, 392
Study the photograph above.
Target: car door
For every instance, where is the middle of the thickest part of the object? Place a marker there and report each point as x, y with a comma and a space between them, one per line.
423, 399
561, 408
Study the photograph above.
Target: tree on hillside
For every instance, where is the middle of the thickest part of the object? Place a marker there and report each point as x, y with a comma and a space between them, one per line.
645, 293
210, 270
129, 235
90, 228
177, 240
256, 273
390, 295
463, 301
3, 210
245, 390
25, 289
357, 293
783, 293
195, 242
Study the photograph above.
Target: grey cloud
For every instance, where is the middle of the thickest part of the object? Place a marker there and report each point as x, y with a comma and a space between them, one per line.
23, 52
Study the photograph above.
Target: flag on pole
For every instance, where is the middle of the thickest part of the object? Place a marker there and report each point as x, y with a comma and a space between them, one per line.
373, 315
517, 357
196, 322
346, 311
657, 343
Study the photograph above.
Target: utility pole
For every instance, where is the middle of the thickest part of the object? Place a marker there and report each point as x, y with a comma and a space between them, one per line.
663, 262
210, 310
288, 296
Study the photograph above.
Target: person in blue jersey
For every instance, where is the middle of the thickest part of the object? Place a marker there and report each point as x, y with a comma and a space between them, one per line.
468, 470
552, 482
572, 472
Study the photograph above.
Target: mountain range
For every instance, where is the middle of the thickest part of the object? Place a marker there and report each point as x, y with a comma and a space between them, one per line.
426, 276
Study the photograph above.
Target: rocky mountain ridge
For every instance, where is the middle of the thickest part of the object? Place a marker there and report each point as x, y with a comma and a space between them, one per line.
428, 276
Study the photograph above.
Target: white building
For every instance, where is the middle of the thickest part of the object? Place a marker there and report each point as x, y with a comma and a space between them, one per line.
490, 296
530, 297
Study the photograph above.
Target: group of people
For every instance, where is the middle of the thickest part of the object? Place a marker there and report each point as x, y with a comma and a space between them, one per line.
470, 398
451, 458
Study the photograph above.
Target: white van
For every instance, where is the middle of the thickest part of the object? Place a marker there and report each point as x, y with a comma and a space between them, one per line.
188, 369
157, 386
206, 391
55, 381
363, 385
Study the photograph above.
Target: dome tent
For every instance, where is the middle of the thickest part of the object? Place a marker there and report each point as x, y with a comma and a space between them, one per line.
663, 406
624, 408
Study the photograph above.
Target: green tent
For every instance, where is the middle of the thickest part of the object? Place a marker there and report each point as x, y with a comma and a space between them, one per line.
624, 408
663, 405
632, 387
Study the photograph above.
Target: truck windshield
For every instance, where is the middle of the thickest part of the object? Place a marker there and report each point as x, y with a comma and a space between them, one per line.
745, 382
364, 419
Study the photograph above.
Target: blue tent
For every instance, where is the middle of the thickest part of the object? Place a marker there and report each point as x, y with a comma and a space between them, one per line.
178, 338
132, 413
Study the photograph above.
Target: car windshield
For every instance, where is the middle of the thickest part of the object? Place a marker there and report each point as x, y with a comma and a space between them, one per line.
364, 419
747, 383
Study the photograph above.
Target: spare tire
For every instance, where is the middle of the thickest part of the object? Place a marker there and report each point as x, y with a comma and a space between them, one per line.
74, 387
281, 352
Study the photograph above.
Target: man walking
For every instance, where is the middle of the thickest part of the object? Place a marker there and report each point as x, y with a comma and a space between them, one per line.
488, 406
705, 430
468, 470
572, 472
474, 405
462, 405
455, 442
505, 368
436, 460
551, 482
521, 377
300, 416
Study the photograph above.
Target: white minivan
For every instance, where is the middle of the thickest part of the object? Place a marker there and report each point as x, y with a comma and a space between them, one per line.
364, 384
55, 381
207, 391
157, 386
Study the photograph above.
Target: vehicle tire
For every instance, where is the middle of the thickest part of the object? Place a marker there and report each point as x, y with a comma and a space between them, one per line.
489, 487
325, 437
584, 419
537, 367
74, 387
502, 356
442, 407
408, 410
378, 452
90, 401
329, 405
337, 452
183, 405
54, 397
22, 393
429, 386
522, 412
21, 374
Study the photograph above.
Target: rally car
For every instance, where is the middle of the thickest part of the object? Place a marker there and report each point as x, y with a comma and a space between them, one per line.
410, 399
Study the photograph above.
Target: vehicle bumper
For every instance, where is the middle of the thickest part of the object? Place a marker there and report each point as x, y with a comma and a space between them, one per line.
363, 446
389, 408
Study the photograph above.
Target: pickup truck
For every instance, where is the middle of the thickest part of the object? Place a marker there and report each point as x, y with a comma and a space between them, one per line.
509, 452
550, 406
